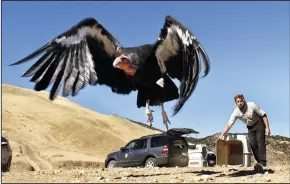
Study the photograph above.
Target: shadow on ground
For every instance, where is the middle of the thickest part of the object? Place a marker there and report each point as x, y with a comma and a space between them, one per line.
251, 172
202, 172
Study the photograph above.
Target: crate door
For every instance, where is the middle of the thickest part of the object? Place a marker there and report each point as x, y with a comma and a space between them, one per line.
221, 152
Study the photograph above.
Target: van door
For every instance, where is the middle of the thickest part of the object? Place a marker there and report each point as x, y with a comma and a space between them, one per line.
139, 152
125, 156
178, 152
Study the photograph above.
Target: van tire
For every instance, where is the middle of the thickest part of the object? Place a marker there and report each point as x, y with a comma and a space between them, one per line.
111, 164
150, 162
6, 167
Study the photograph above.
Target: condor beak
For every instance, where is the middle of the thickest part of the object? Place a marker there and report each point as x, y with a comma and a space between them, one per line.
116, 62
120, 60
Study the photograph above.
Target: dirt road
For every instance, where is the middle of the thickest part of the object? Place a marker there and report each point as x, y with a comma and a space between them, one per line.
34, 160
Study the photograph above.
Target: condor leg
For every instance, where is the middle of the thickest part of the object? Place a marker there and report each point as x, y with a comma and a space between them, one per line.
164, 116
148, 113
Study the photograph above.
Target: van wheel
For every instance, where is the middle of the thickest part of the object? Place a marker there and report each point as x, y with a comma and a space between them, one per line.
6, 167
111, 164
150, 162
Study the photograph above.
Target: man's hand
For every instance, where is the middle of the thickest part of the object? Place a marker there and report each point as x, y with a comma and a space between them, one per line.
221, 137
227, 128
268, 132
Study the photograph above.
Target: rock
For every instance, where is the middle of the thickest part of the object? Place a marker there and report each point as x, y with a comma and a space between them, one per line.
267, 180
100, 178
82, 172
232, 169
200, 179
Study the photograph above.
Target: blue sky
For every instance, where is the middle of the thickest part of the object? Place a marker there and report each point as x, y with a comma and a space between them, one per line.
247, 43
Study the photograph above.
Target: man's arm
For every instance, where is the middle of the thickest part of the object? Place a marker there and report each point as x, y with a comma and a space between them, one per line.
226, 129
265, 119
232, 120
262, 113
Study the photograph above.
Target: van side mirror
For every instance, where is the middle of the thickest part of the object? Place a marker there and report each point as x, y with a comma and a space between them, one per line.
122, 149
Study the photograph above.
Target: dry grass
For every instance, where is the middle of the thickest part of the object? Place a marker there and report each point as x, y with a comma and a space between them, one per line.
60, 131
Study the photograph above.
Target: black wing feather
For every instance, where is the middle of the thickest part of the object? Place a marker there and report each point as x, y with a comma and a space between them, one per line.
80, 80
35, 67
82, 55
50, 73
68, 72
39, 73
34, 54
179, 49
61, 75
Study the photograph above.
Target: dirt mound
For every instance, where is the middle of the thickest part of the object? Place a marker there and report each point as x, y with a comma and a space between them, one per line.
42, 132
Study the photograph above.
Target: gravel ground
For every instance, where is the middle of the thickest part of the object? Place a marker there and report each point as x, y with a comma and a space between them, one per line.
153, 175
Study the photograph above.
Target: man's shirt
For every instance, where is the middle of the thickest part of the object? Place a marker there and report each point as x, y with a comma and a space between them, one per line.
252, 114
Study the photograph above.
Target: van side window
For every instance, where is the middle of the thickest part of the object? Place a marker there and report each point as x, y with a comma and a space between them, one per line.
158, 141
140, 144
130, 145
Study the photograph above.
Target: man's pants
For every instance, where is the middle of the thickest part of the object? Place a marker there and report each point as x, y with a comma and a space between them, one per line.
256, 134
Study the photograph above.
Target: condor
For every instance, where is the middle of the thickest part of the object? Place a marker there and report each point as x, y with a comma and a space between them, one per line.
88, 54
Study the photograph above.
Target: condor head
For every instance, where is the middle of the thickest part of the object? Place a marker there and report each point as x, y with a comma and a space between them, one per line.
124, 63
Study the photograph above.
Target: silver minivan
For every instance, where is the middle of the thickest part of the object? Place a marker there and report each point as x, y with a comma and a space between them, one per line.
6, 153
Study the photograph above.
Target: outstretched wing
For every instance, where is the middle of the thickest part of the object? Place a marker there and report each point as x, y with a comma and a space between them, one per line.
179, 54
82, 55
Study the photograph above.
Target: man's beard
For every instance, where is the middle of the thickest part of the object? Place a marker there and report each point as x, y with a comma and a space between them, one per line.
244, 107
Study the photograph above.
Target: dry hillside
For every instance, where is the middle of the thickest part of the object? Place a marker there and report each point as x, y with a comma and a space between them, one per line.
64, 142
45, 134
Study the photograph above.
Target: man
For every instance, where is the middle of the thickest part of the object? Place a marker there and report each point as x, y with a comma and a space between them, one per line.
257, 123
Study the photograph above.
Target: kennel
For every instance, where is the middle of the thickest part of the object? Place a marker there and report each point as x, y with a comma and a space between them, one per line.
197, 155
234, 150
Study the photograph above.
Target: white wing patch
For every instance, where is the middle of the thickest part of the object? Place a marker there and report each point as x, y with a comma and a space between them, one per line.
186, 38
75, 39
170, 46
60, 39
89, 63
82, 33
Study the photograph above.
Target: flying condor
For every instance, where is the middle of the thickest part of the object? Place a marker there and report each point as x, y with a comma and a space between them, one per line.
88, 54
